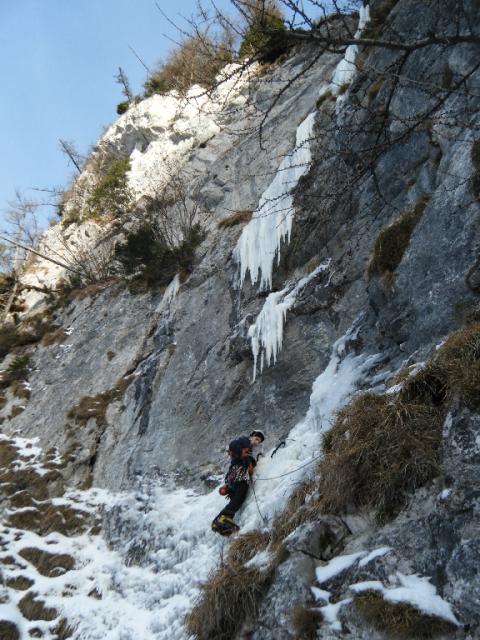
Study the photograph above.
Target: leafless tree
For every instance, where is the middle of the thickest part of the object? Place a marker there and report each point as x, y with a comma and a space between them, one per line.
172, 209
74, 156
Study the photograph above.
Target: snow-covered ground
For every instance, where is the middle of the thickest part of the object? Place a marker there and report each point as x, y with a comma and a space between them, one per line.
106, 596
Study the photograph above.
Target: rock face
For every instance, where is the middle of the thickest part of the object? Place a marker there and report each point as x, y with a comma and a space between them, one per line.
150, 386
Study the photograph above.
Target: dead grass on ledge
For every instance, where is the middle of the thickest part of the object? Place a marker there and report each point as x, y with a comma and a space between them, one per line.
399, 620
237, 217
230, 596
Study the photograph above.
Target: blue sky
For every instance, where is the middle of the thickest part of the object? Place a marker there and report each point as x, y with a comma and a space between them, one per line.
58, 59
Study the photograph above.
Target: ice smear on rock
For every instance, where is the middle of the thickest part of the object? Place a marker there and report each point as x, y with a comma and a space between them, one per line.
271, 223
266, 334
346, 68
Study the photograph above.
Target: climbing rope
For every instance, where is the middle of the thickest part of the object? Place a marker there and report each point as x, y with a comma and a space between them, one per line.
265, 521
293, 470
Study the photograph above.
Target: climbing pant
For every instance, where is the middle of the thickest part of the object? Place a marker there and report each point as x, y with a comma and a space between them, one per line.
237, 494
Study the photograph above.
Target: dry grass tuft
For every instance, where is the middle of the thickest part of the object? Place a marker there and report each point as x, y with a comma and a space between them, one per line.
459, 359
96, 406
237, 217
19, 583
48, 564
16, 411
399, 620
393, 240
9, 631
428, 386
229, 597
55, 336
38, 486
45, 518
379, 450
62, 630
245, 546
8, 453
305, 621
33, 609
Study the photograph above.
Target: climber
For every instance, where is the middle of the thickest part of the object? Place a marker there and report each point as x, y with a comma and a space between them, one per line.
237, 480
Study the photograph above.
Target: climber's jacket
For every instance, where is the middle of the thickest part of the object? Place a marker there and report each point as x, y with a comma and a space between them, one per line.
242, 461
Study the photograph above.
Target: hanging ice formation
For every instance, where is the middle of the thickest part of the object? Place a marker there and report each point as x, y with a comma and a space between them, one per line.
271, 223
266, 334
346, 68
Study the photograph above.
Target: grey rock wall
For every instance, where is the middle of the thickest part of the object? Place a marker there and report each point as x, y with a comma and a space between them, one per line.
192, 388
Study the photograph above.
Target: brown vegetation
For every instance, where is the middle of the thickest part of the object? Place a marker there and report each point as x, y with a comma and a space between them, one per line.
19, 583
197, 60
229, 597
96, 406
379, 450
16, 411
39, 486
245, 546
399, 620
46, 517
48, 564
33, 609
305, 621
54, 336
8, 453
237, 217
9, 631
459, 359
393, 240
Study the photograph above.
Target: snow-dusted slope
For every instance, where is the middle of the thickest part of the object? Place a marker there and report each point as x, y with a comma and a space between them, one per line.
105, 595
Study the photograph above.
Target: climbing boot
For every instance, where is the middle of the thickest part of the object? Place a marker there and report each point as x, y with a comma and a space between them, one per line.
224, 525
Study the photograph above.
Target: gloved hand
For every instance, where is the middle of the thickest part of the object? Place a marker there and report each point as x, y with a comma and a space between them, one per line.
248, 460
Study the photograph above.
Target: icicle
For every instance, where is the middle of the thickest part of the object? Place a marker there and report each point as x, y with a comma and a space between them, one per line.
271, 223
266, 334
345, 70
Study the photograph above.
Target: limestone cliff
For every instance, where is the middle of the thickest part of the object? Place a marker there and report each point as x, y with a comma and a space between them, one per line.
339, 253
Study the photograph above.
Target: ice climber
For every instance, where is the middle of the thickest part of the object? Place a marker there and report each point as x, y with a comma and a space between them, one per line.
237, 480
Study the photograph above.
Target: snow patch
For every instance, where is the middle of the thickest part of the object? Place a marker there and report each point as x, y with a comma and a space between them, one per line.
376, 553
330, 613
415, 590
320, 594
337, 565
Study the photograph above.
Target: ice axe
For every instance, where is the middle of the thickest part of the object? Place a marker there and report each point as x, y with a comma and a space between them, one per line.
281, 444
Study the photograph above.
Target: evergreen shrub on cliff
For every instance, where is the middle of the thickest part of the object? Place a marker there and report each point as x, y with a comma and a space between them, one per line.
110, 196
197, 60
151, 261
265, 36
